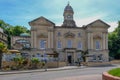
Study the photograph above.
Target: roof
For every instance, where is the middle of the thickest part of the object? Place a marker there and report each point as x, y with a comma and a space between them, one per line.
14, 51
98, 21
68, 7
24, 34
42, 18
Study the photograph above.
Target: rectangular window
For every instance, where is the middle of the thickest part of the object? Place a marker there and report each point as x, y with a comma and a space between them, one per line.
59, 44
79, 34
79, 45
42, 44
59, 34
97, 44
69, 43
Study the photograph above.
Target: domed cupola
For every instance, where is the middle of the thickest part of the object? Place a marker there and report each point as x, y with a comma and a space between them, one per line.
68, 8
68, 17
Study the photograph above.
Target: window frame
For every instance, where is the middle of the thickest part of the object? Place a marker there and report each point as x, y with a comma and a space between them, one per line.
79, 46
59, 44
97, 45
69, 43
43, 44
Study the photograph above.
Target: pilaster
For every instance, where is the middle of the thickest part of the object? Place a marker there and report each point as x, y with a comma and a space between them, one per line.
89, 41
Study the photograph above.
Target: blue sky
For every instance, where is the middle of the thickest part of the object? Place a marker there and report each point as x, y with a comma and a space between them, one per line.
20, 12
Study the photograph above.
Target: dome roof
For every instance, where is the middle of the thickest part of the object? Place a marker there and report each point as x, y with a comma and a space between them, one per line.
68, 8
24, 34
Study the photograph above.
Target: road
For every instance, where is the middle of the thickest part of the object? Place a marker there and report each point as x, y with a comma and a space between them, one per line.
61, 75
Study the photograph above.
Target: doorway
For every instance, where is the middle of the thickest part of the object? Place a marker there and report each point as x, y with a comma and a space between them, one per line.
69, 59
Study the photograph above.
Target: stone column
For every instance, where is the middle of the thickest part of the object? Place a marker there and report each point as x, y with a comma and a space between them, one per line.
75, 56
49, 35
104, 41
32, 39
52, 39
35, 39
89, 41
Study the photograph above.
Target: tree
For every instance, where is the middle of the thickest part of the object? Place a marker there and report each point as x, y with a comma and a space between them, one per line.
4, 25
3, 49
114, 42
83, 54
12, 30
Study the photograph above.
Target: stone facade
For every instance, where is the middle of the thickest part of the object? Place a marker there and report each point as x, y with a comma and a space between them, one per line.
69, 40
44, 29
3, 37
20, 42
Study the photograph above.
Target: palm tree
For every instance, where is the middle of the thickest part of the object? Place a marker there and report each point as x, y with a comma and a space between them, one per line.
3, 48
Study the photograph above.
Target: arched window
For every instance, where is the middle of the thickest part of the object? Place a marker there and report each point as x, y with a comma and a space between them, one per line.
59, 44
79, 45
69, 43
97, 44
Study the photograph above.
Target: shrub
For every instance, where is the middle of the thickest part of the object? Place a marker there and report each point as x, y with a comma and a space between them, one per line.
19, 62
34, 63
35, 60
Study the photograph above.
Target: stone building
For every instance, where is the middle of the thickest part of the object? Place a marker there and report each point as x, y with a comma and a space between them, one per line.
3, 37
69, 40
20, 42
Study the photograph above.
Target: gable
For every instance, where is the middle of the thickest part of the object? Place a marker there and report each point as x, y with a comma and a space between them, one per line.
69, 35
98, 23
41, 21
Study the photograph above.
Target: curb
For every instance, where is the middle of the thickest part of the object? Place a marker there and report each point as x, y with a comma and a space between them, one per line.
107, 76
40, 70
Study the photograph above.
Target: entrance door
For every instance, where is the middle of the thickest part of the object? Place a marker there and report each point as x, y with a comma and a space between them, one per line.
69, 59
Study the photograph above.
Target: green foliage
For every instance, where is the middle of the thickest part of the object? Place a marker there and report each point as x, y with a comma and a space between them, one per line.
83, 54
4, 25
115, 72
16, 30
35, 60
18, 59
12, 30
114, 42
19, 62
3, 48
34, 63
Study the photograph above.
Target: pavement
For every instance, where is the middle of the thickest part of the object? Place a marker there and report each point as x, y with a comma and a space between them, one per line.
41, 70
76, 77
87, 76
83, 77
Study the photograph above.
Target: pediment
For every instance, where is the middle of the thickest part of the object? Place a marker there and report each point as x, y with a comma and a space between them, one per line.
69, 35
42, 35
97, 36
98, 23
41, 21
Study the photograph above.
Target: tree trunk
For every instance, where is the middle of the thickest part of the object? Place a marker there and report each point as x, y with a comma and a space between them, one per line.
1, 59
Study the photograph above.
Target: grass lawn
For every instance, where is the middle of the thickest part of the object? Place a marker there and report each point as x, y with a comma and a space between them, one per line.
115, 72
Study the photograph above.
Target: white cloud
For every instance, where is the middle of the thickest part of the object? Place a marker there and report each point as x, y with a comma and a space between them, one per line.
113, 25
85, 21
